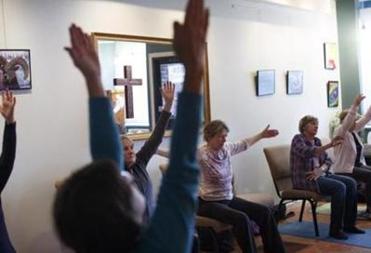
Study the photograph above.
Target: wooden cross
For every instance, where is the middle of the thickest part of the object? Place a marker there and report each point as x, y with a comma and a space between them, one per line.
127, 81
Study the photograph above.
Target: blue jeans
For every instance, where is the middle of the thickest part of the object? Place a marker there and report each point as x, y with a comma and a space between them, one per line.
343, 192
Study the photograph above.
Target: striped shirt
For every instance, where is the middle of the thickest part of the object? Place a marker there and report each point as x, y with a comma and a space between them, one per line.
216, 170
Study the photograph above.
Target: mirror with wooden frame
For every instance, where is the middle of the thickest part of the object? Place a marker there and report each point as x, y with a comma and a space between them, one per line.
133, 70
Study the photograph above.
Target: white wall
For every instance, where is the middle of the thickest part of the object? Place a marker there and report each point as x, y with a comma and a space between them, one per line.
52, 119
280, 39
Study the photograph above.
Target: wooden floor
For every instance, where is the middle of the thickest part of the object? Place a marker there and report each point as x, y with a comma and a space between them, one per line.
303, 245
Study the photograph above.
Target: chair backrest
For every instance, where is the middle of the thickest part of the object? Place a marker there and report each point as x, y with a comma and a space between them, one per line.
278, 158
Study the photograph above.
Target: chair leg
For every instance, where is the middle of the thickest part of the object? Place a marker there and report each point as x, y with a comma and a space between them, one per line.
314, 214
302, 211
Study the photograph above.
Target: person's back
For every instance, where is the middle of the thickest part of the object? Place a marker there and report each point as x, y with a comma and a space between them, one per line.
349, 158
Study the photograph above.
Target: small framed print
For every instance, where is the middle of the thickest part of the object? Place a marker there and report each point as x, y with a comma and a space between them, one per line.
294, 82
332, 93
15, 69
331, 55
265, 82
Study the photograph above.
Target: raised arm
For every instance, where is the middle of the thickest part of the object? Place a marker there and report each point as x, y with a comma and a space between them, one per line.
360, 124
242, 145
9, 139
300, 148
167, 93
348, 121
151, 145
172, 225
104, 135
266, 133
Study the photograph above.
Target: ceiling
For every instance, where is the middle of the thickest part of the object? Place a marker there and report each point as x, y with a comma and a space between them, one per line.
221, 7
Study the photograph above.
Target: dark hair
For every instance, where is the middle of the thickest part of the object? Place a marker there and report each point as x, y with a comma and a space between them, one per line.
305, 120
213, 128
93, 210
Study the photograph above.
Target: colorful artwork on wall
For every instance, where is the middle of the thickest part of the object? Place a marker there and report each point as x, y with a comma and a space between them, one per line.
331, 55
332, 93
15, 69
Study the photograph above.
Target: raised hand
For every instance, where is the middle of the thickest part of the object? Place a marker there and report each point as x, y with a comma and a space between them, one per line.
7, 106
189, 43
85, 58
269, 133
167, 93
358, 99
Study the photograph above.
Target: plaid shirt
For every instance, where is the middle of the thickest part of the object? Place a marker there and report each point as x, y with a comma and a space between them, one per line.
302, 156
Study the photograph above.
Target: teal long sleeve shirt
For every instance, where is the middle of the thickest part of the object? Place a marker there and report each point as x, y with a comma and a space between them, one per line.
172, 225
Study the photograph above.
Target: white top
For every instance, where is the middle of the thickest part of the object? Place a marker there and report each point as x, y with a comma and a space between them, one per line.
346, 153
216, 170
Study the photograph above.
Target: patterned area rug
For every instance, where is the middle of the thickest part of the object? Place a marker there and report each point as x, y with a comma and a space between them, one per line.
306, 229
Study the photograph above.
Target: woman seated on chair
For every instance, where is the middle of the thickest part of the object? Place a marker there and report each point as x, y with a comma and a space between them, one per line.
349, 159
216, 196
136, 163
310, 164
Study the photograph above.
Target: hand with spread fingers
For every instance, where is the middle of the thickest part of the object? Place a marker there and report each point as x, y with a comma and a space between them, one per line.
7, 106
190, 43
269, 133
85, 58
358, 99
167, 93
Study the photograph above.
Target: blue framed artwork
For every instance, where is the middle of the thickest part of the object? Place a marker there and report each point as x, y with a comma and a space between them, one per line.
332, 93
294, 82
265, 82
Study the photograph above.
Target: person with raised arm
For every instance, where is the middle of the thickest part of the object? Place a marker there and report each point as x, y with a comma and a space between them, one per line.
217, 200
136, 163
7, 161
98, 210
310, 166
349, 159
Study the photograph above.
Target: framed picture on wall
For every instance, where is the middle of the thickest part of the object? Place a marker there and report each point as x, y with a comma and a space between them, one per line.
330, 55
15, 69
294, 82
265, 82
164, 67
332, 93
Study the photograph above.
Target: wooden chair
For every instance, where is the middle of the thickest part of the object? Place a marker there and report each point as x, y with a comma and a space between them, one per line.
278, 158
